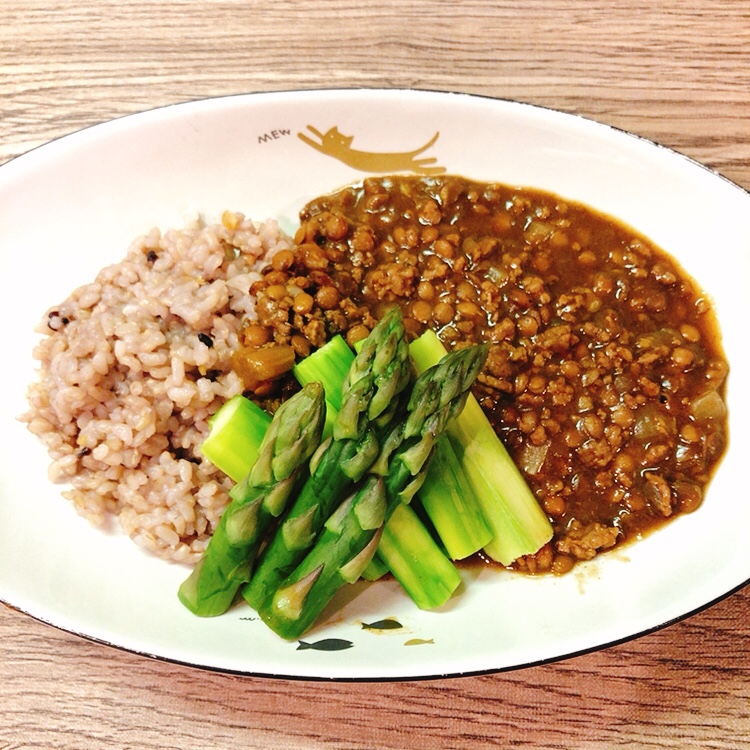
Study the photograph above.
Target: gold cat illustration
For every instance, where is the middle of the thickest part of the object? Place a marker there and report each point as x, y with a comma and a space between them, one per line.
339, 146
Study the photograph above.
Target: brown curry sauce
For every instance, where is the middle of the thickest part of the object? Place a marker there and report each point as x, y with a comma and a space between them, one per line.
605, 375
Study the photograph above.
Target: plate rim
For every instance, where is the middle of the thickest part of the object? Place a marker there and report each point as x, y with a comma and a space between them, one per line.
280, 95
199, 102
448, 675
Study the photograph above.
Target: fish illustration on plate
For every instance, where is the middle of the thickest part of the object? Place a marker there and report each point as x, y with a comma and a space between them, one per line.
326, 644
388, 623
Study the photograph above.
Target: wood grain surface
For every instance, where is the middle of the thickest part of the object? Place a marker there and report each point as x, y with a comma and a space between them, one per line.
676, 71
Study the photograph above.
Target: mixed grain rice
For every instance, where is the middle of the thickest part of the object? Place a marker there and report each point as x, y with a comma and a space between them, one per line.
131, 368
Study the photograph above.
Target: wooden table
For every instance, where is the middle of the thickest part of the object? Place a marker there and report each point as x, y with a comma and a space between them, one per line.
673, 71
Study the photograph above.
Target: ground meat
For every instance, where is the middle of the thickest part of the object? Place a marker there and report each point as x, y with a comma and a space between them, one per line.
584, 542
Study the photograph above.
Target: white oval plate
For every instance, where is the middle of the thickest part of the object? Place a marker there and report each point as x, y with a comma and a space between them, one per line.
73, 206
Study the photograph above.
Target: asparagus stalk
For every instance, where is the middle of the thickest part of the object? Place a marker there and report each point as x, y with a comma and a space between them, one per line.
519, 525
236, 431
375, 569
352, 534
290, 440
416, 562
451, 504
327, 366
379, 373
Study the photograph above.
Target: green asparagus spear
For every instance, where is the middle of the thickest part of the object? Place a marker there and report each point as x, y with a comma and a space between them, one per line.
379, 373
451, 505
236, 432
292, 437
415, 560
376, 568
519, 525
327, 366
352, 533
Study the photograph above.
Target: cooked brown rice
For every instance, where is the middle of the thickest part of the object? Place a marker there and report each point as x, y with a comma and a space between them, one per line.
132, 367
